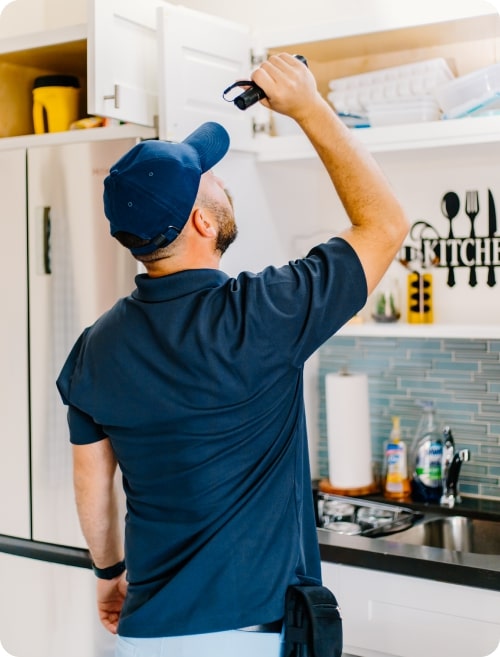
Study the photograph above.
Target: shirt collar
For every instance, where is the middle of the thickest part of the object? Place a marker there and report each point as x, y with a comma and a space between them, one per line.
176, 285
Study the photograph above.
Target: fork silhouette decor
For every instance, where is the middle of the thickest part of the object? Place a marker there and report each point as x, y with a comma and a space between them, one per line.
472, 210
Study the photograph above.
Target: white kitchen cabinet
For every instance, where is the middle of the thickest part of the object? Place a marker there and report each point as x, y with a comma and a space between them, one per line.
386, 615
24, 58
49, 610
114, 56
14, 407
122, 60
200, 55
131, 57
465, 35
129, 69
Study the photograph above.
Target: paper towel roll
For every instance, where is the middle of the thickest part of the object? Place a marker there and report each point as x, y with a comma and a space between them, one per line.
348, 430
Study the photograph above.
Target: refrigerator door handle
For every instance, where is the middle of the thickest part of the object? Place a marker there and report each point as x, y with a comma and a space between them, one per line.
46, 226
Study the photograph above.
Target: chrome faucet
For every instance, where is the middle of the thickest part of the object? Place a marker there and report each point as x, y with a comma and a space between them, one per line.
450, 469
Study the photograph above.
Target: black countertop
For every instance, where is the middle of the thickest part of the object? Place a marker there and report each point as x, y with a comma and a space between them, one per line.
383, 554
388, 555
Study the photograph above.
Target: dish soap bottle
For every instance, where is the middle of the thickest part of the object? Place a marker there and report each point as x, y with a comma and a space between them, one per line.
426, 457
397, 486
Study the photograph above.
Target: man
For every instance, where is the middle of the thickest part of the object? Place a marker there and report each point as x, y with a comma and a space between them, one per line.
193, 385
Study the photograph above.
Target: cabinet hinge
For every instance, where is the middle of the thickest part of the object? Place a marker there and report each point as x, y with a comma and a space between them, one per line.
261, 127
257, 58
260, 124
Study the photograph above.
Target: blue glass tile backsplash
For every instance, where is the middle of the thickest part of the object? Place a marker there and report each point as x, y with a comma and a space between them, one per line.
462, 377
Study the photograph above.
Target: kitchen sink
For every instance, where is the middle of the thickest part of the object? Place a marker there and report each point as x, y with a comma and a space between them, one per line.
457, 533
352, 516
379, 520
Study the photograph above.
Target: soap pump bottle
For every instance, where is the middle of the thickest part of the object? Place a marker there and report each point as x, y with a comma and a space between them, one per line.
426, 457
396, 485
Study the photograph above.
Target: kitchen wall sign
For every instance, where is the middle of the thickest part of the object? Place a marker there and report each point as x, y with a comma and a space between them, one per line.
428, 249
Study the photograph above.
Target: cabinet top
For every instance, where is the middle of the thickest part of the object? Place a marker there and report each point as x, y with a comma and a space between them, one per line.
382, 16
47, 38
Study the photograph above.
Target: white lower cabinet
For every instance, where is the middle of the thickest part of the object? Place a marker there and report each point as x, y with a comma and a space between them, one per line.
386, 615
49, 610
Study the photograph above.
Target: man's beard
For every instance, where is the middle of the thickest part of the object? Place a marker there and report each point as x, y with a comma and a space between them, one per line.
227, 229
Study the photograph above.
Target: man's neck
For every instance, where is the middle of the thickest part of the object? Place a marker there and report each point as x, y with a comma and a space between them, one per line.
168, 266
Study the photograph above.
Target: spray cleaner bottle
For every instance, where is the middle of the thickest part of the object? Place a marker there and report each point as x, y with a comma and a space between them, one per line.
426, 456
396, 485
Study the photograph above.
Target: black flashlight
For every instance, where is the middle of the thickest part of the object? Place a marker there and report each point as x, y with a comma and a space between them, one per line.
253, 94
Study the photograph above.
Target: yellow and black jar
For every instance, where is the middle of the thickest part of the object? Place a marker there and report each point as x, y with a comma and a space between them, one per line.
55, 102
420, 304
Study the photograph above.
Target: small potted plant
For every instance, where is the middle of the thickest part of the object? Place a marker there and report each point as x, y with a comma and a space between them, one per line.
386, 305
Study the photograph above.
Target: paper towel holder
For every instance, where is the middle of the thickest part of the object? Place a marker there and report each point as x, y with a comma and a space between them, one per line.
325, 486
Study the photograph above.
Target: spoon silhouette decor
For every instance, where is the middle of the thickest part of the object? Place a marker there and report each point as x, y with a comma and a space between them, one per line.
450, 206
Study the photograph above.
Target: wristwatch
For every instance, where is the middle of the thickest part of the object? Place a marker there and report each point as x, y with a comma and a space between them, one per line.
110, 572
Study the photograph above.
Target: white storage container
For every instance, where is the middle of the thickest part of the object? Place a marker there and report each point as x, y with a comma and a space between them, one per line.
475, 93
357, 93
414, 110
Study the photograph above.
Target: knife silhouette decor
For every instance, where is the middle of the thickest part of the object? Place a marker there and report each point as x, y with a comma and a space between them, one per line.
492, 229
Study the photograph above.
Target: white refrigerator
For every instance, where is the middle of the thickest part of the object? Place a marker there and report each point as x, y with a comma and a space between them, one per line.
62, 269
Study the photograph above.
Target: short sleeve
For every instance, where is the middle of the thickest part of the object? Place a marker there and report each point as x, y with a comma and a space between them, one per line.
82, 428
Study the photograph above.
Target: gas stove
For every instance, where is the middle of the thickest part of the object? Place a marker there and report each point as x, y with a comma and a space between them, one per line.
352, 516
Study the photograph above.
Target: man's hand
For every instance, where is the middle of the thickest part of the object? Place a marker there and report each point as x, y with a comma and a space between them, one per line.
289, 85
110, 596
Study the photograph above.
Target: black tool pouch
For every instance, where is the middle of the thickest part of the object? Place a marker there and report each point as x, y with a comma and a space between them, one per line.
313, 625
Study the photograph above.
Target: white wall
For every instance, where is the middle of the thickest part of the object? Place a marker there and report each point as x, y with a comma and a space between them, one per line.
25, 16
49, 610
292, 13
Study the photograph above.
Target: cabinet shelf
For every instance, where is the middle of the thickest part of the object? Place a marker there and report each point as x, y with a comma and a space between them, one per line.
62, 50
26, 57
422, 331
476, 132
77, 136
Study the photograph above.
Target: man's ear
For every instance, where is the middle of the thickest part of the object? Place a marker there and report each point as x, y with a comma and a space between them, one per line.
203, 223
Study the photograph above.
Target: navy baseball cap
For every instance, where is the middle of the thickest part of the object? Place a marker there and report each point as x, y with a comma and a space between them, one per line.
151, 190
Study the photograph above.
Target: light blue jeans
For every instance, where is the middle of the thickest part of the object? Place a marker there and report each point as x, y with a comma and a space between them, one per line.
234, 643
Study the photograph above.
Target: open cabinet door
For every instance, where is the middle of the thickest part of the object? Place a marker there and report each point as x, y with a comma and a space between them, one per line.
201, 55
122, 65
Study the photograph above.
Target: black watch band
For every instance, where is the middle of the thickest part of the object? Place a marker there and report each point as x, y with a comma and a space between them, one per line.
110, 572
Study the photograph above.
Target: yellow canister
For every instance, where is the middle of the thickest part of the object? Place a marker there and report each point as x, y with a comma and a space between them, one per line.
55, 102
420, 308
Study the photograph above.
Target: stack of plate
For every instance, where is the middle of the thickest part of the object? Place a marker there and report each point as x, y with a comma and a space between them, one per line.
411, 110
399, 94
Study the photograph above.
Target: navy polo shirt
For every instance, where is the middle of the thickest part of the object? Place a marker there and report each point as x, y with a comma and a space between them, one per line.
196, 378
